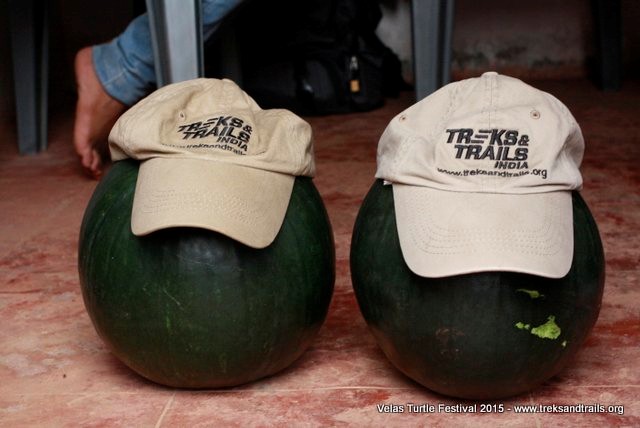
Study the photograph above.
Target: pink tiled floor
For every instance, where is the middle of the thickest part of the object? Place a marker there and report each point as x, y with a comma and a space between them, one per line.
55, 371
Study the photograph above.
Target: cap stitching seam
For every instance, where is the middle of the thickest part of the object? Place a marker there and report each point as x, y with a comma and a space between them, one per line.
429, 229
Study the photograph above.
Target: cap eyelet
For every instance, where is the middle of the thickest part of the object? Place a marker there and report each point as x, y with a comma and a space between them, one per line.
182, 115
535, 114
403, 118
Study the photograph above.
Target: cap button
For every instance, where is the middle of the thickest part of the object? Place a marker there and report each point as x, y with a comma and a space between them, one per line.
490, 73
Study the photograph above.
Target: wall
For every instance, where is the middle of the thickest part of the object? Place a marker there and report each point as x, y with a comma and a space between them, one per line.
533, 39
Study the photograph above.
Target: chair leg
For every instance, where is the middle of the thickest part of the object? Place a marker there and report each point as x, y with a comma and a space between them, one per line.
30, 46
43, 95
432, 27
176, 32
609, 40
230, 64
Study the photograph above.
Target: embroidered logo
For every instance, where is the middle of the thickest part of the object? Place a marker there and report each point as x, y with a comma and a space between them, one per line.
506, 147
226, 133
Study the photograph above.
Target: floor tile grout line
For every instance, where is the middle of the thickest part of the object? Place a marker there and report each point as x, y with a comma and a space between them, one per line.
166, 408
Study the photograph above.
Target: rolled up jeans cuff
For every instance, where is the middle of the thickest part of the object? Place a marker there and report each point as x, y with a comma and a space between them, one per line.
125, 65
116, 79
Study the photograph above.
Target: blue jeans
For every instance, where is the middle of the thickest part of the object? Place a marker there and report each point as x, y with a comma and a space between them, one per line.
125, 65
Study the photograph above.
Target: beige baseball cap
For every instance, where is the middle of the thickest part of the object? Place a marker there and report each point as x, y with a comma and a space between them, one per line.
482, 173
212, 158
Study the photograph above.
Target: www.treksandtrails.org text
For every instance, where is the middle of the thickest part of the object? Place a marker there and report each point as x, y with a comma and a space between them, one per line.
499, 408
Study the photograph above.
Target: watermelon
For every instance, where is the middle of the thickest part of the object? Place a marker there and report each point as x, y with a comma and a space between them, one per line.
192, 308
485, 335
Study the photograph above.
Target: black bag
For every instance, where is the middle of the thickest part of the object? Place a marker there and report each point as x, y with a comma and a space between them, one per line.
316, 56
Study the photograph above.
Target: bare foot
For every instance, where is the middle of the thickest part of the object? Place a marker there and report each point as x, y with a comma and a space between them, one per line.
96, 113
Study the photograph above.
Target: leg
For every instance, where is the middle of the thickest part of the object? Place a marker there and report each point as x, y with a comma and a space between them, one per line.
109, 77
176, 36
609, 42
29, 39
96, 112
432, 25
117, 74
214, 12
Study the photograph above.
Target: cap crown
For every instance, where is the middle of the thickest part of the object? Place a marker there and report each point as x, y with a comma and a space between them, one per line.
213, 119
492, 134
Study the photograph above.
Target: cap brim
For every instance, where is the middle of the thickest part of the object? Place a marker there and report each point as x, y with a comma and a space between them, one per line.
246, 204
452, 233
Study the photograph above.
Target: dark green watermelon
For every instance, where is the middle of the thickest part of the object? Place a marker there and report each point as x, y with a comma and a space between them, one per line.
192, 308
479, 336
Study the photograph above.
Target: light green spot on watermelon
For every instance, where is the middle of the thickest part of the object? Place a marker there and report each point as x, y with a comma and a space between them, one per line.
548, 330
534, 294
523, 326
